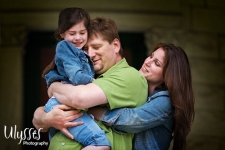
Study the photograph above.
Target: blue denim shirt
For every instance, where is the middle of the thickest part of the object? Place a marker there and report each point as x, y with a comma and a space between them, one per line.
152, 123
73, 65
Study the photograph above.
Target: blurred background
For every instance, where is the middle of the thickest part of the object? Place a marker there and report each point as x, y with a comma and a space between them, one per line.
27, 45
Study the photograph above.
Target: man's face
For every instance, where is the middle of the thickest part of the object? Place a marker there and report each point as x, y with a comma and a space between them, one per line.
103, 54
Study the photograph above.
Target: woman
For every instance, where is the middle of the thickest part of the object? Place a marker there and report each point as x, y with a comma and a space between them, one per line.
169, 111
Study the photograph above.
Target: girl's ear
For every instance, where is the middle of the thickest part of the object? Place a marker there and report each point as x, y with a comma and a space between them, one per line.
62, 35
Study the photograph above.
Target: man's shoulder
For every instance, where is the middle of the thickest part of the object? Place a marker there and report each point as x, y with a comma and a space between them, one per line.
129, 72
122, 68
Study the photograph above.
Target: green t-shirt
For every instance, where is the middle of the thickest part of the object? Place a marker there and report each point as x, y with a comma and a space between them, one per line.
123, 86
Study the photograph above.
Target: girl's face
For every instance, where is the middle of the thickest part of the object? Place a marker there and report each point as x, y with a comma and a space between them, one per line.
77, 35
152, 68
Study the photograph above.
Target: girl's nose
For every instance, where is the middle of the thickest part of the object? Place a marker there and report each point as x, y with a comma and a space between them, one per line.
77, 37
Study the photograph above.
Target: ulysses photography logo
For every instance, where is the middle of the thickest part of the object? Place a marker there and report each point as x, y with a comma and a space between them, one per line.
25, 137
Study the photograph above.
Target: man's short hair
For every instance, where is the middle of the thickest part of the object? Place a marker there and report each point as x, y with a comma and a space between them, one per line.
106, 28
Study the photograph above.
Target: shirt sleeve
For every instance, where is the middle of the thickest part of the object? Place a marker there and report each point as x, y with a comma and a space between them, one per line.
134, 120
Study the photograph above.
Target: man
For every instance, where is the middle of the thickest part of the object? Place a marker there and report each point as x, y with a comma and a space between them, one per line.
117, 85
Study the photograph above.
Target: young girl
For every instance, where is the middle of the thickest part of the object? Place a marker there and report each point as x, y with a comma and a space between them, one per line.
74, 66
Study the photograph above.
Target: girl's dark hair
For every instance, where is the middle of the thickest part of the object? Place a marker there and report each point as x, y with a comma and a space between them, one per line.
69, 17
178, 80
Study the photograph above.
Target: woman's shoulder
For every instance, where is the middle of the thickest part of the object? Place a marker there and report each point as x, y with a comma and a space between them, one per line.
161, 99
160, 93
163, 93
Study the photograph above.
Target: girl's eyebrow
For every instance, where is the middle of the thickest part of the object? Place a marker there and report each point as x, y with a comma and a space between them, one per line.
84, 30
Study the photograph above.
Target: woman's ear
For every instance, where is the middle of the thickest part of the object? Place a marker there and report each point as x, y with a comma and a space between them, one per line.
116, 45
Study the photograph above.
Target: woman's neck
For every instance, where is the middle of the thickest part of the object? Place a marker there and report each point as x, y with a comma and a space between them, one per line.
151, 89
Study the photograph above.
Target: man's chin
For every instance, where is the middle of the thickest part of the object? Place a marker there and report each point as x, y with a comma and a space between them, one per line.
98, 70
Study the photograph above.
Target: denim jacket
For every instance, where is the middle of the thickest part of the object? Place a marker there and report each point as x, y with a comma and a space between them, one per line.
152, 123
73, 65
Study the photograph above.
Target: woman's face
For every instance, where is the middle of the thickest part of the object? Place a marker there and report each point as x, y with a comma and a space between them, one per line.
152, 68
77, 35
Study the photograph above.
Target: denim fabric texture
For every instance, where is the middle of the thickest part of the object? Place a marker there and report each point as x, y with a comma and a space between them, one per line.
152, 123
75, 67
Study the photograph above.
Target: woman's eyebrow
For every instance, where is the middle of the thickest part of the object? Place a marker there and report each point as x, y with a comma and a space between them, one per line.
159, 62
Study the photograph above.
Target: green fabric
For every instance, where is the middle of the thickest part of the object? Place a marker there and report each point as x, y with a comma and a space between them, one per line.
120, 141
123, 86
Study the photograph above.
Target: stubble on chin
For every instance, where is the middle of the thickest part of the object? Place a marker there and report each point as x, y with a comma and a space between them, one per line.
98, 69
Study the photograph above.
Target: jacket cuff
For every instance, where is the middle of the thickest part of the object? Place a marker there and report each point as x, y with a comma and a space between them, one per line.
110, 117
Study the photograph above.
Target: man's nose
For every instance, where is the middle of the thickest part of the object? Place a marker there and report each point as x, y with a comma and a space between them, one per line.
90, 52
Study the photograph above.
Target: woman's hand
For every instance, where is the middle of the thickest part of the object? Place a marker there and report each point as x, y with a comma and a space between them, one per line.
61, 117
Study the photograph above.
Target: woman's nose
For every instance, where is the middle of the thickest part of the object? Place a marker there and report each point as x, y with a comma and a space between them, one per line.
148, 62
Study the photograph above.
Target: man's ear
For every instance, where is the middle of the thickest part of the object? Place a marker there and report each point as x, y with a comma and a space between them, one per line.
116, 45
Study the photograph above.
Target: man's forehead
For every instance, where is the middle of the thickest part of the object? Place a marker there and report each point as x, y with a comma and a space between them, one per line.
95, 38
